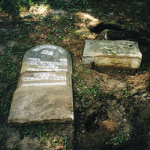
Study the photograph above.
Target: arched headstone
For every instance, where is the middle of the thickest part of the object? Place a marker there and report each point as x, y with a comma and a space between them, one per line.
44, 92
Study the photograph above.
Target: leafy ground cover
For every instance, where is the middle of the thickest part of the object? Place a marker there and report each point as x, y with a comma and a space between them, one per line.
112, 107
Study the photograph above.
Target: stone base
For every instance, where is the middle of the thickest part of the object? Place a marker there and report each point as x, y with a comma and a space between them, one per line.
122, 54
53, 104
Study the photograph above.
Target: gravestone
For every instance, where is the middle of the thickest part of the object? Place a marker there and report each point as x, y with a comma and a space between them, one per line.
119, 53
44, 92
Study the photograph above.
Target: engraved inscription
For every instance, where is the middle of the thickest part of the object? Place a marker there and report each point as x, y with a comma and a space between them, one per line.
47, 63
53, 67
47, 52
44, 78
35, 69
61, 69
47, 58
44, 74
43, 84
64, 60
34, 59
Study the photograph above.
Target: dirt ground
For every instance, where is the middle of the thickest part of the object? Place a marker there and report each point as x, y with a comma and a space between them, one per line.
111, 106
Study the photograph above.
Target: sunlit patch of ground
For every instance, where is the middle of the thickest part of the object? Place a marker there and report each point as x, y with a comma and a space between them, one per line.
35, 12
84, 23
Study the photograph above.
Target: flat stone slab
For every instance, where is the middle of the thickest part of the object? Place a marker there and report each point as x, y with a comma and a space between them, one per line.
44, 92
120, 53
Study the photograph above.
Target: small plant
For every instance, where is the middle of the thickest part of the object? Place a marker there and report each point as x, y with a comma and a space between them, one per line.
143, 66
95, 92
42, 23
59, 43
30, 15
83, 83
88, 72
58, 31
114, 141
60, 37
67, 21
81, 67
74, 77
127, 94
85, 2
87, 91
10, 50
130, 100
20, 37
65, 141
7, 33
50, 39
119, 139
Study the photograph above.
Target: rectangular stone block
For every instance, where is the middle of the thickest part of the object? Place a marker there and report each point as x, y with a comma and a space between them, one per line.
44, 92
121, 53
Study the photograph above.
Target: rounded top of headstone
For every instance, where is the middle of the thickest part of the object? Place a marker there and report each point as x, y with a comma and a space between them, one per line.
47, 57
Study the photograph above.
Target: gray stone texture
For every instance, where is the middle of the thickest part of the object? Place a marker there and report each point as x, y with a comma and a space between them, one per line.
44, 92
47, 58
121, 53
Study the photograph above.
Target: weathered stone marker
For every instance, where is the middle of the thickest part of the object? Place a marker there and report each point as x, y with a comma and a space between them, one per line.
121, 53
44, 92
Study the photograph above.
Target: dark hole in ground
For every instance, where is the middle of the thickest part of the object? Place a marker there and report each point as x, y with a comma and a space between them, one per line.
115, 33
100, 27
144, 48
91, 122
